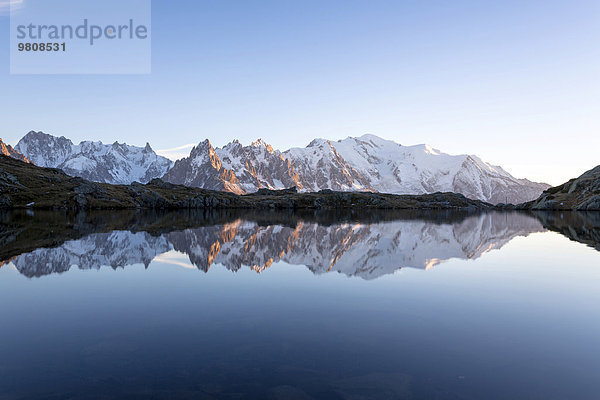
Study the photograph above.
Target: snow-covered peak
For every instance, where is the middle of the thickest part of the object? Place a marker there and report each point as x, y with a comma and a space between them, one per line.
319, 142
368, 136
234, 144
257, 166
262, 144
258, 143
41, 136
201, 148
369, 162
230, 150
117, 163
205, 153
45, 150
427, 149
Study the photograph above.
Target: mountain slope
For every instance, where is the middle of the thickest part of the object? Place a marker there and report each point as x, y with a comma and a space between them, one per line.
204, 169
322, 167
9, 151
581, 194
95, 161
258, 166
367, 163
386, 166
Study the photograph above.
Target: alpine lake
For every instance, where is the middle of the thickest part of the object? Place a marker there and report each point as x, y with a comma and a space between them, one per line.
316, 305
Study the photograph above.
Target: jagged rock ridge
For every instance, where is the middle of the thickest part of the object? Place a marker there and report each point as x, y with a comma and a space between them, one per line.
367, 163
9, 151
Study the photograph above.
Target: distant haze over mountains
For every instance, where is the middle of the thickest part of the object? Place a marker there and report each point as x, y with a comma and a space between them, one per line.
366, 163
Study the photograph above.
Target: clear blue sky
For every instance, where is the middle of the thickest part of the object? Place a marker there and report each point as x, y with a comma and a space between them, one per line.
515, 82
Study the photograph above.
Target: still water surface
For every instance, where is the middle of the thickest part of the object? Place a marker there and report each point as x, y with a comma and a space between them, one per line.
491, 306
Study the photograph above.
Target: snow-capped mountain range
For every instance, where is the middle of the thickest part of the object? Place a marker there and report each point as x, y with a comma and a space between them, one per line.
360, 250
109, 163
366, 163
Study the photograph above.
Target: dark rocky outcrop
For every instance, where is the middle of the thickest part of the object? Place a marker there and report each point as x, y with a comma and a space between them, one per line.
581, 194
269, 192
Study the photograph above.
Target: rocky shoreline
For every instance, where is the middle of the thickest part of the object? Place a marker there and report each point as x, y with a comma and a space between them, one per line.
579, 194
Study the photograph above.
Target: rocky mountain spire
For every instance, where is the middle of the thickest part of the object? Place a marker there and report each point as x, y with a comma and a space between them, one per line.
9, 151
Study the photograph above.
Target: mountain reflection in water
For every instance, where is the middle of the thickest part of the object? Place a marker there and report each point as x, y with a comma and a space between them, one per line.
361, 248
